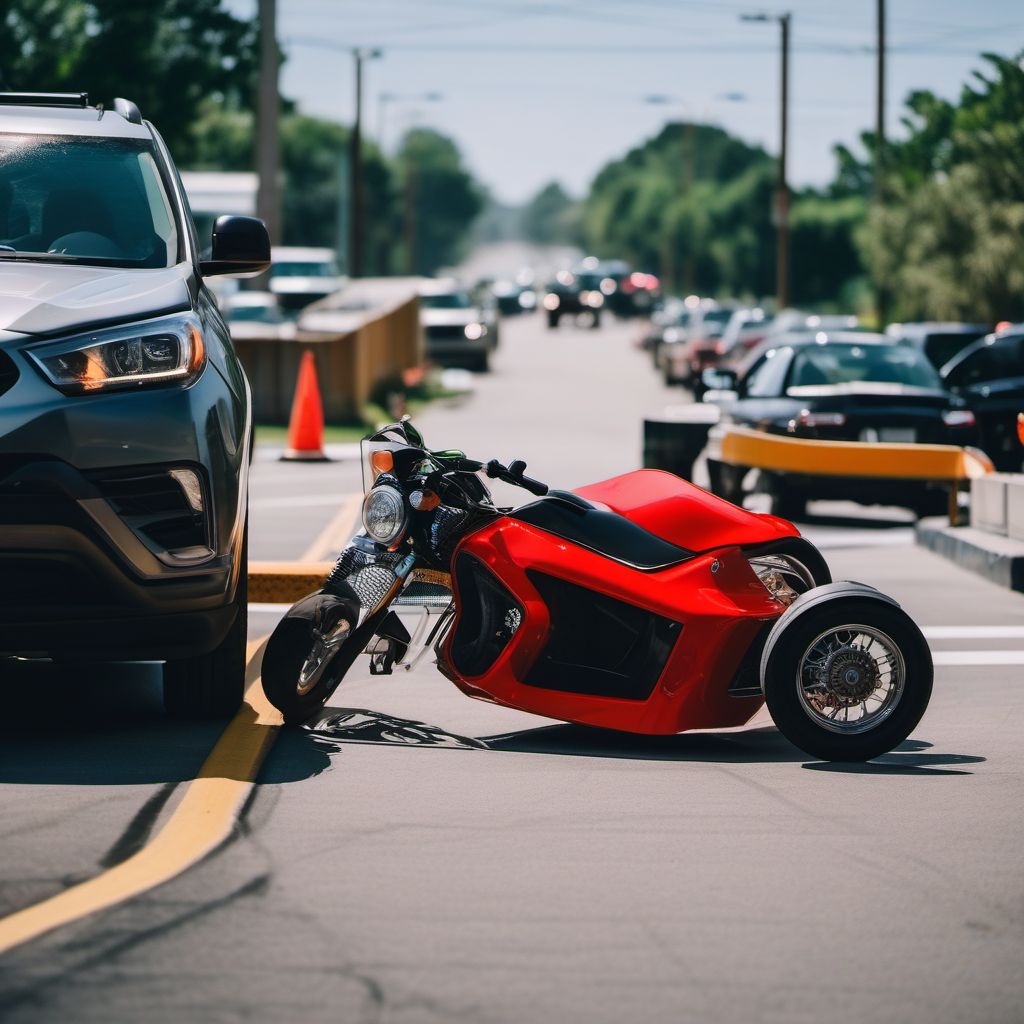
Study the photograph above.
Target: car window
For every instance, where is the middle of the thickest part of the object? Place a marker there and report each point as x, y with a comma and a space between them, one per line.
836, 363
447, 300
766, 379
940, 348
96, 200
997, 360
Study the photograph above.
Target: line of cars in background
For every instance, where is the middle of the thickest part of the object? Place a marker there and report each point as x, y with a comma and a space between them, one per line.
461, 323
826, 377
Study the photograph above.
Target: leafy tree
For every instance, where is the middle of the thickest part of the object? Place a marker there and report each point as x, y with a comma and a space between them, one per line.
551, 217
441, 200
169, 56
945, 241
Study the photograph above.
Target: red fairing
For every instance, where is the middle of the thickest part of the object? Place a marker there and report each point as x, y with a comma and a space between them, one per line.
718, 603
683, 513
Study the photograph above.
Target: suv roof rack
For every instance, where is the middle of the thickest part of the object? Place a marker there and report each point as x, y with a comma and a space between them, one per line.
44, 99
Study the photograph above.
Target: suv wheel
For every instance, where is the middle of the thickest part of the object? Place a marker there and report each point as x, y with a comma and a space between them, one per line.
212, 685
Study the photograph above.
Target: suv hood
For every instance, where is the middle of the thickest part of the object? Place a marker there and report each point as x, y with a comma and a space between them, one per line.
42, 298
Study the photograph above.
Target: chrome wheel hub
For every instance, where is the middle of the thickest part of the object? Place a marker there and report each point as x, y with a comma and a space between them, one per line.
850, 678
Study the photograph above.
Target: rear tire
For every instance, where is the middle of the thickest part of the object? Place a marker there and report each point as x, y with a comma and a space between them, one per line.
726, 481
552, 321
785, 690
212, 685
786, 503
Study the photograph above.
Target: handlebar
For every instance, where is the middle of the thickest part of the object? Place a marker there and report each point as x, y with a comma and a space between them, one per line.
513, 473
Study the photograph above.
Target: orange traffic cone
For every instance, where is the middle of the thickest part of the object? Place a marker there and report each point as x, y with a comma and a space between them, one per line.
306, 426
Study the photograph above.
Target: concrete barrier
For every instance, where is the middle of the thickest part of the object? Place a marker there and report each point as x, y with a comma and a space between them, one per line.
673, 440
997, 504
362, 337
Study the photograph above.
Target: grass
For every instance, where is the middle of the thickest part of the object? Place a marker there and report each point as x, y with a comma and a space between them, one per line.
416, 397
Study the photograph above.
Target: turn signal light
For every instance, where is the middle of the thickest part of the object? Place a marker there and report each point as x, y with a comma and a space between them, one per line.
424, 500
382, 462
1020, 427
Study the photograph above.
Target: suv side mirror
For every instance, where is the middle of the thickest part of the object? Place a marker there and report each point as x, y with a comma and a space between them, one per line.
240, 245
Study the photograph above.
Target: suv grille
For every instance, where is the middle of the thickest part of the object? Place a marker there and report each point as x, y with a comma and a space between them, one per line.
8, 372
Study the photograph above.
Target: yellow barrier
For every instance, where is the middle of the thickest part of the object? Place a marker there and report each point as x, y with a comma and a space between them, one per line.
941, 463
285, 582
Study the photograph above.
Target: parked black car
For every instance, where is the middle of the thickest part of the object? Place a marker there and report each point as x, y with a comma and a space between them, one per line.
989, 375
571, 293
125, 417
841, 387
940, 342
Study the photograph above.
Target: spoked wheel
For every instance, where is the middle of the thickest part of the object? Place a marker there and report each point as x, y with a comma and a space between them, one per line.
849, 681
305, 656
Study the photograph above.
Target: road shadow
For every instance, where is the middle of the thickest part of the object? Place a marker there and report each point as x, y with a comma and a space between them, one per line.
70, 724
334, 727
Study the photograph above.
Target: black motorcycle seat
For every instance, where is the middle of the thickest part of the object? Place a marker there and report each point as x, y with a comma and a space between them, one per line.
576, 520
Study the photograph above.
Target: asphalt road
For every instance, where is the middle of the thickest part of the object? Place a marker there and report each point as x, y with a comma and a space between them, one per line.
424, 857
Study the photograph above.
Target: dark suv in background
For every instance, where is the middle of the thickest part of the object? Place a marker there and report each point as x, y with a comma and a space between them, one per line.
125, 425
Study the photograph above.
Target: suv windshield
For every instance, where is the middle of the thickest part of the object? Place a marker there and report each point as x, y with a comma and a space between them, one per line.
88, 200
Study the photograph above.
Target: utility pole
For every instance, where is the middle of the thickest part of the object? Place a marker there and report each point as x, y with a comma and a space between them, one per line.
268, 104
782, 188
782, 277
356, 219
882, 292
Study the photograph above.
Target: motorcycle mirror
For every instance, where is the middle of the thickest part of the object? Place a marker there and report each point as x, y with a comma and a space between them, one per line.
412, 435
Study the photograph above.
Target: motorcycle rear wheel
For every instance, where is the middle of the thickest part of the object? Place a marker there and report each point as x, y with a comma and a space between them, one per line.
849, 681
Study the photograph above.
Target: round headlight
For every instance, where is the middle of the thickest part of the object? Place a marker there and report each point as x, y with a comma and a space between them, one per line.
384, 515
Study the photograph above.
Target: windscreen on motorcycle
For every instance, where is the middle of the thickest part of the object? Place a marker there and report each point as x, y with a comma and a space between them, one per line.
378, 457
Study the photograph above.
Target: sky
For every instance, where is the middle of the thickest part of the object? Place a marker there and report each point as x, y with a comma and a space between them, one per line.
542, 90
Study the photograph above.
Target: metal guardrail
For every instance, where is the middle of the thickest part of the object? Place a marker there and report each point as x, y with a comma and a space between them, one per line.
949, 465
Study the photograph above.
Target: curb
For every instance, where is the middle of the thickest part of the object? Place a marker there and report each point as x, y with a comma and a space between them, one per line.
999, 559
285, 582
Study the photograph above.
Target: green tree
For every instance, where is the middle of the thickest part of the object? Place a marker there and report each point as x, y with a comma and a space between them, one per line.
551, 217
169, 56
440, 200
945, 241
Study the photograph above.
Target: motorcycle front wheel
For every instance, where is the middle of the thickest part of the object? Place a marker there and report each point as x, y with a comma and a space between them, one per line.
849, 681
308, 654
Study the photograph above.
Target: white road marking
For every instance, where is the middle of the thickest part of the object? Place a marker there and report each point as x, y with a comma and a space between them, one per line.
978, 657
973, 632
298, 501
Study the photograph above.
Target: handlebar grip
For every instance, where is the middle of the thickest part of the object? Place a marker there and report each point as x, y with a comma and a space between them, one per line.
533, 486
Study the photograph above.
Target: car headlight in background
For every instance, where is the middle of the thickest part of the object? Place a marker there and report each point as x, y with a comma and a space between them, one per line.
384, 514
552, 301
475, 331
154, 352
593, 300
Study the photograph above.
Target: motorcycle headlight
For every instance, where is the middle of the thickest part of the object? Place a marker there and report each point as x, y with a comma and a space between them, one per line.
154, 352
782, 577
384, 514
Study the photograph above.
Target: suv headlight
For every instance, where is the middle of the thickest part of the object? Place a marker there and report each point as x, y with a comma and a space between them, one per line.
384, 514
168, 349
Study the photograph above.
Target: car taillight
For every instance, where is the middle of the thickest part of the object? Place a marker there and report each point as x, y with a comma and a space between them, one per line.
958, 418
821, 419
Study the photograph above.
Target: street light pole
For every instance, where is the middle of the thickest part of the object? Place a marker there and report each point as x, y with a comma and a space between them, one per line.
356, 217
782, 276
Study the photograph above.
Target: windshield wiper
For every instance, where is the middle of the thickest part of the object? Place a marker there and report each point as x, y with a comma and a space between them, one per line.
63, 257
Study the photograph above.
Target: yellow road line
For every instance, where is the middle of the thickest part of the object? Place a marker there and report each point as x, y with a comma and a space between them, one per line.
205, 818
336, 534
